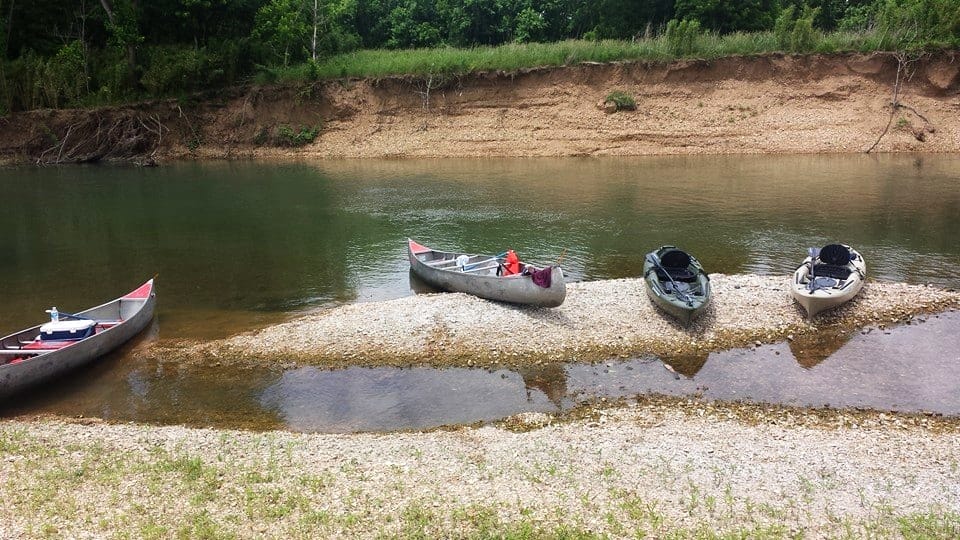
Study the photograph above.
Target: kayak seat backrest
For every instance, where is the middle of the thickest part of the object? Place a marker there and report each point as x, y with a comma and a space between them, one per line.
676, 265
677, 274
675, 258
832, 270
835, 254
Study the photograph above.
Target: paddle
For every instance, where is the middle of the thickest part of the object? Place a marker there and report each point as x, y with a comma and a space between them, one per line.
676, 288
485, 261
560, 258
813, 253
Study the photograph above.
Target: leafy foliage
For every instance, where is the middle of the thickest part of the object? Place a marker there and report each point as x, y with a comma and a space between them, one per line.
63, 53
287, 136
682, 35
623, 101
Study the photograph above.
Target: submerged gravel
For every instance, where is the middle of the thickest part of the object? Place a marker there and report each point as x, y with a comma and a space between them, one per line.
598, 320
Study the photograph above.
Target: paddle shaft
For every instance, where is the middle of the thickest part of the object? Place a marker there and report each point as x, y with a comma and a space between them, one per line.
686, 297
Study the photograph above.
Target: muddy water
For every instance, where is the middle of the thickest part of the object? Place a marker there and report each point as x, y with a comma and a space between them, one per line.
908, 368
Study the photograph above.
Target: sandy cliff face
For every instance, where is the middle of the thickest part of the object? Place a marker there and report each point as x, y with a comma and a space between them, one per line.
764, 104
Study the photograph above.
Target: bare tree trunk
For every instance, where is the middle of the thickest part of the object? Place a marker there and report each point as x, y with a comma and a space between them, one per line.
109, 10
313, 43
6, 35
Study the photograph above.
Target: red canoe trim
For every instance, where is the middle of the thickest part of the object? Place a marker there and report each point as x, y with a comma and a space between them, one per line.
47, 345
418, 248
142, 292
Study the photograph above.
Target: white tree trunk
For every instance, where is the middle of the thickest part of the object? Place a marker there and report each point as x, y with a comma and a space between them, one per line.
316, 19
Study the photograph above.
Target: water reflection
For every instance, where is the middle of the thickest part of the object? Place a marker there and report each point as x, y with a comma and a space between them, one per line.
549, 379
908, 368
812, 348
686, 365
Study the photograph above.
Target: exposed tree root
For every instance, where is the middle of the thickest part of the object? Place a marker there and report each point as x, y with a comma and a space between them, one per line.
131, 136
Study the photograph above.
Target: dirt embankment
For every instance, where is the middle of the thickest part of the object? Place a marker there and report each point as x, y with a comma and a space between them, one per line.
762, 104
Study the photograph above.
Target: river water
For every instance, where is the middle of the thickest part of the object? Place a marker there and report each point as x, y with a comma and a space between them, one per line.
241, 245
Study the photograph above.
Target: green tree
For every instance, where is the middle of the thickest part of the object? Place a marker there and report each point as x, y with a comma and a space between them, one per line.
529, 26
909, 24
282, 25
725, 16
124, 33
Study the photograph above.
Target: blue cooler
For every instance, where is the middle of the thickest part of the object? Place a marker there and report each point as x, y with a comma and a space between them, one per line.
67, 330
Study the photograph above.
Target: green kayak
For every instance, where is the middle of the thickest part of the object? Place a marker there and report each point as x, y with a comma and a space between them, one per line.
676, 283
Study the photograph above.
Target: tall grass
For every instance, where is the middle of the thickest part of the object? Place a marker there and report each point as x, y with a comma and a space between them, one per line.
512, 57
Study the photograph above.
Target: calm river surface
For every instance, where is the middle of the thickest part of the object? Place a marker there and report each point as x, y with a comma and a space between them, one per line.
241, 245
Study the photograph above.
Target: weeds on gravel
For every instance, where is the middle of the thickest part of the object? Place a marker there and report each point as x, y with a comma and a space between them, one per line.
923, 526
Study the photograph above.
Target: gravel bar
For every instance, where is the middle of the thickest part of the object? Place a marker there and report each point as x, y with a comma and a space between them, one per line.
599, 320
677, 468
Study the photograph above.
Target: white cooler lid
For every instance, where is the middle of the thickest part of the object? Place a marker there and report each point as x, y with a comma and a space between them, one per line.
67, 326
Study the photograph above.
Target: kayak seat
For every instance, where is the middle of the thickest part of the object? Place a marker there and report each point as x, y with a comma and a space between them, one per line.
832, 270
835, 254
677, 274
675, 264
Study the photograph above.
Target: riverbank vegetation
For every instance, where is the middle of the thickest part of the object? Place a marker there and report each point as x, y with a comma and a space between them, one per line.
85, 53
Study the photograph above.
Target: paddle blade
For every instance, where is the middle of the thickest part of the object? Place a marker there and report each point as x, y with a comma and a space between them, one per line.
813, 252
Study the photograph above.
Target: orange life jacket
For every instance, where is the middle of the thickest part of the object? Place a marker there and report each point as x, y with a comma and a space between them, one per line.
512, 266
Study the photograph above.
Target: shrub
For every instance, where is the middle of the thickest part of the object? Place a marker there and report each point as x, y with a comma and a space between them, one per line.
682, 35
803, 37
796, 35
623, 100
783, 27
286, 136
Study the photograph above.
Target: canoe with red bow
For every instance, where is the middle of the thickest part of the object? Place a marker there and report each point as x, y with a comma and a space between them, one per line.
483, 276
37, 354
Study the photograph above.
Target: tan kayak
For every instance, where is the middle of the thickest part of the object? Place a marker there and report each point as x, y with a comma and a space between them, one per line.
828, 277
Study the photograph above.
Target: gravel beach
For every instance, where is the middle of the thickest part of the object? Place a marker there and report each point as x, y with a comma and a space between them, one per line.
599, 320
677, 469
653, 467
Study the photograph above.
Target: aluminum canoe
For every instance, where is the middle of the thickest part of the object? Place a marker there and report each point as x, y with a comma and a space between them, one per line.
833, 288
685, 296
25, 360
479, 277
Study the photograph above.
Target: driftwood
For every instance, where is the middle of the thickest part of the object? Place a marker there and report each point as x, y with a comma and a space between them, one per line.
904, 73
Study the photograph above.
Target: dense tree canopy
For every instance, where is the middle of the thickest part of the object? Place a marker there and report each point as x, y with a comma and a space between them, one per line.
73, 52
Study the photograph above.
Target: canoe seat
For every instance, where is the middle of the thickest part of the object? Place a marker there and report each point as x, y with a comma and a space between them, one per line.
832, 270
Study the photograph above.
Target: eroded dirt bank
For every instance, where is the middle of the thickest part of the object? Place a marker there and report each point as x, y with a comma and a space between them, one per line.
762, 104
597, 321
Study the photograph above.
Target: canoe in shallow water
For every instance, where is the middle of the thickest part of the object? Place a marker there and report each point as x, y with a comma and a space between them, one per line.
478, 275
676, 282
828, 277
45, 351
